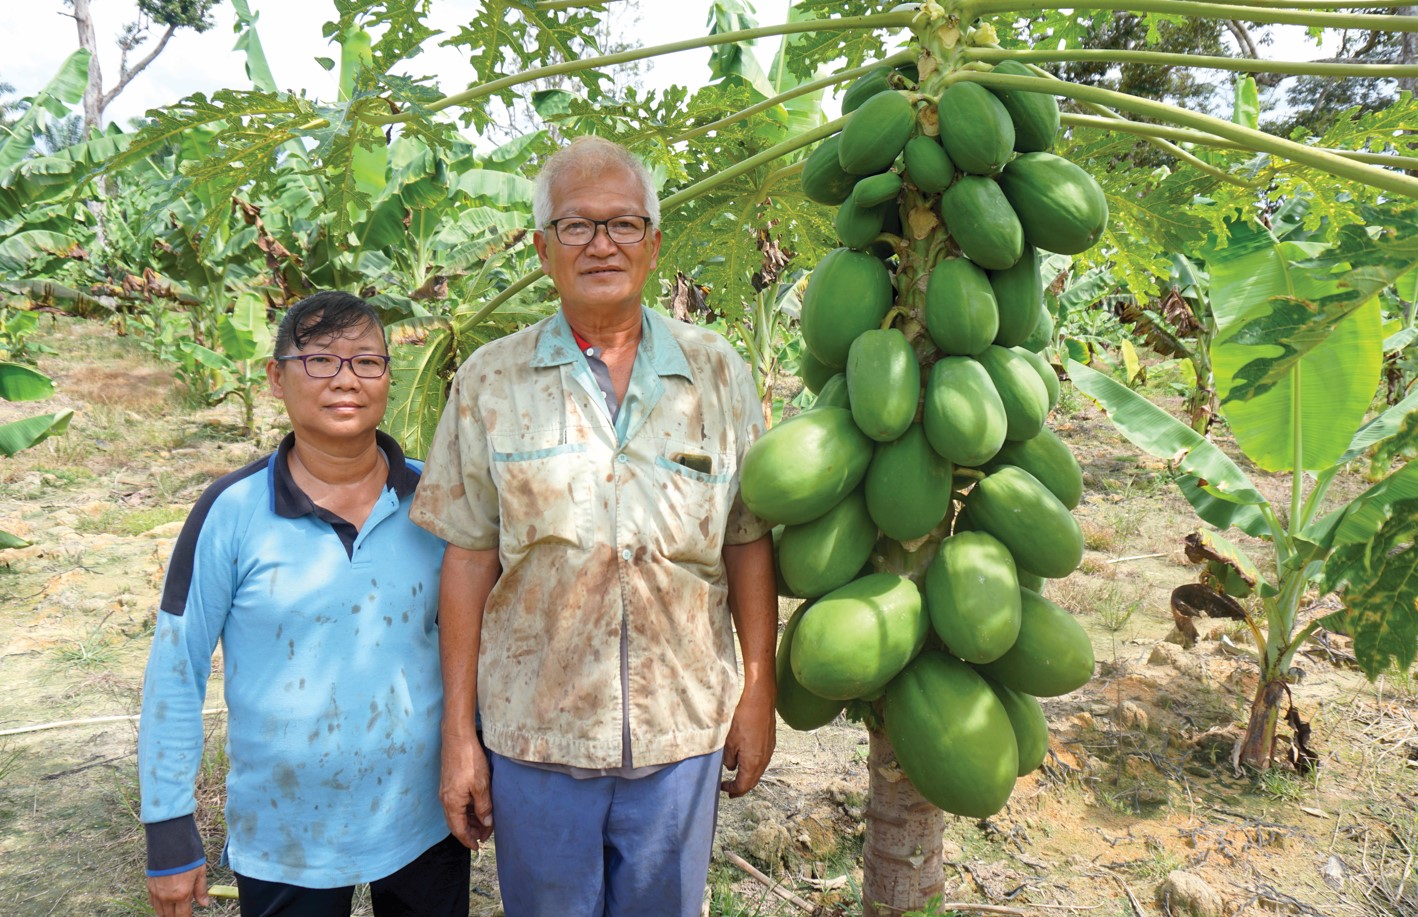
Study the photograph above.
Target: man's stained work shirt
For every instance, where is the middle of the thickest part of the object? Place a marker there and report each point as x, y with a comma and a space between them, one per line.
331, 675
601, 527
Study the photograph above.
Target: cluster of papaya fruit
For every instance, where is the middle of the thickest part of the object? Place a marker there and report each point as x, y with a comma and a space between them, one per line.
921, 500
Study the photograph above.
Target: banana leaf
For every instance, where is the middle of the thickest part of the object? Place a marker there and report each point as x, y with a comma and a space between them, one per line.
22, 383
1220, 489
21, 434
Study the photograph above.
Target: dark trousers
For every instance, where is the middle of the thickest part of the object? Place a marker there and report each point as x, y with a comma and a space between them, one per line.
433, 885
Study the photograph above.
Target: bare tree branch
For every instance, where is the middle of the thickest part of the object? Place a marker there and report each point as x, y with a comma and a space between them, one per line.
126, 76
1243, 38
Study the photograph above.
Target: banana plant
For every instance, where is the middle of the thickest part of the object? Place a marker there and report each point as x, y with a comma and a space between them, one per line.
23, 383
1302, 415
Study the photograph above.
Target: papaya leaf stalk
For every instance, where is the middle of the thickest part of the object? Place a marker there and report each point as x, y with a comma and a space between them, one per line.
1159, 58
1254, 140
1151, 130
1263, 14
879, 21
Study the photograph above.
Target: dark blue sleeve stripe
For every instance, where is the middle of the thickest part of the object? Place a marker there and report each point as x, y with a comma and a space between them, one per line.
179, 568
155, 873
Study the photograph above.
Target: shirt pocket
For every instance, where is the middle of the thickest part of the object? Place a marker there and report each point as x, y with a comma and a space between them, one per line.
697, 489
543, 491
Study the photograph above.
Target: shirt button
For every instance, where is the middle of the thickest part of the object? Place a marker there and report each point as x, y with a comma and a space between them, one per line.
626, 554
622, 458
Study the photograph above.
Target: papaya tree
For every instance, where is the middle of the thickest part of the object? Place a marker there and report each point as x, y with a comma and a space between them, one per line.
949, 302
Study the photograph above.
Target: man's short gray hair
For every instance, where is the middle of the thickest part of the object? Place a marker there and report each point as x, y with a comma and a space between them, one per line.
584, 157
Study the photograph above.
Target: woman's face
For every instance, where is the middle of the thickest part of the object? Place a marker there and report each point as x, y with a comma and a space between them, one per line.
344, 406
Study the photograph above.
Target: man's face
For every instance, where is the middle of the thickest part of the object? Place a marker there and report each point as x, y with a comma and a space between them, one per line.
600, 276
342, 407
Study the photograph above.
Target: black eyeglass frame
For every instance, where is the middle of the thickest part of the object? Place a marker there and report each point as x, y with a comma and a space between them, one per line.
645, 231
340, 366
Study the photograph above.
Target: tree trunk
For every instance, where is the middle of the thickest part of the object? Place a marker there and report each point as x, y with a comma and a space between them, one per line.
93, 93
1259, 743
1407, 50
902, 860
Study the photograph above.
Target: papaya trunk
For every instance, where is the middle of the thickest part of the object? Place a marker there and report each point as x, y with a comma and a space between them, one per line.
902, 860
1258, 745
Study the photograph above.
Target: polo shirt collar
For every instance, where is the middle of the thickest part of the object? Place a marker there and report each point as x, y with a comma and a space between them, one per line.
661, 352
290, 501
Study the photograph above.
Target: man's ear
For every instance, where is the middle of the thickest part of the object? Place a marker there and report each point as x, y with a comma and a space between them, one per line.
539, 242
655, 249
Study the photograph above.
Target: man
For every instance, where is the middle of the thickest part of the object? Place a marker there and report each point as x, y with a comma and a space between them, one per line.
585, 477
305, 567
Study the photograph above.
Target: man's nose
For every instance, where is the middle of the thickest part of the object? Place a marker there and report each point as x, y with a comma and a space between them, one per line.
601, 239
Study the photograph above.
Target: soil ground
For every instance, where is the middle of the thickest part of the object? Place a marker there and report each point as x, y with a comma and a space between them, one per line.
1138, 783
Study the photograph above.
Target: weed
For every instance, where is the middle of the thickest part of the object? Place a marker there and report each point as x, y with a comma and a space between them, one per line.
116, 521
1280, 785
1070, 402
1115, 609
90, 652
1099, 534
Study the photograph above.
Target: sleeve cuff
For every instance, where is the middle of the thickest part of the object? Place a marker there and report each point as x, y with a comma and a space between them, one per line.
174, 846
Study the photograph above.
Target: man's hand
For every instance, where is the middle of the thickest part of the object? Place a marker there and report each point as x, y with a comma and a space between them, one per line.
465, 791
172, 896
753, 602
753, 733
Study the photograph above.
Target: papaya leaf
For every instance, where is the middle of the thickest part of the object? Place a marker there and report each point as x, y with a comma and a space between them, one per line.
258, 69
23, 383
1246, 106
1379, 579
21, 434
399, 24
1162, 435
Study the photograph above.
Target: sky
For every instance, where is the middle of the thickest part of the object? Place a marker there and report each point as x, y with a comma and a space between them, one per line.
290, 34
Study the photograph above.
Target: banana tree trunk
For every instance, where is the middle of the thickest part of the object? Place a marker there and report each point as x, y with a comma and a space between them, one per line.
902, 860
1258, 745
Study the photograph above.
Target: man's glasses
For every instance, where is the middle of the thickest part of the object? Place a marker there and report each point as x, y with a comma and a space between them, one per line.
622, 230
328, 365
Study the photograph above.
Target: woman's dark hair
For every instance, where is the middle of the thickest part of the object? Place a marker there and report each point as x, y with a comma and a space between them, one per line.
327, 314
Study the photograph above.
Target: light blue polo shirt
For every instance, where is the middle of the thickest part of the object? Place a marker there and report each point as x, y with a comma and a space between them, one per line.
330, 647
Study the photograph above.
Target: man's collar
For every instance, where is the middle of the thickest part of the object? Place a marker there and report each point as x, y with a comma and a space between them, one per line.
292, 502
557, 345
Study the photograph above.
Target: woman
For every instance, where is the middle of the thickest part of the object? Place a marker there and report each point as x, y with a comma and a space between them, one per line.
323, 595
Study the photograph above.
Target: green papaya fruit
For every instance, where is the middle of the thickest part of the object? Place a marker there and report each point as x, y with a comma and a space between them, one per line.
1039, 531
823, 178
875, 133
800, 708
856, 638
874, 81
908, 486
975, 128
1052, 656
819, 556
928, 165
1019, 292
1059, 205
963, 414
856, 225
1029, 580
1050, 461
1035, 115
1025, 399
834, 393
1043, 334
961, 315
813, 371
883, 383
1031, 730
972, 596
982, 222
952, 736
799, 470
875, 190
1045, 371
847, 293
